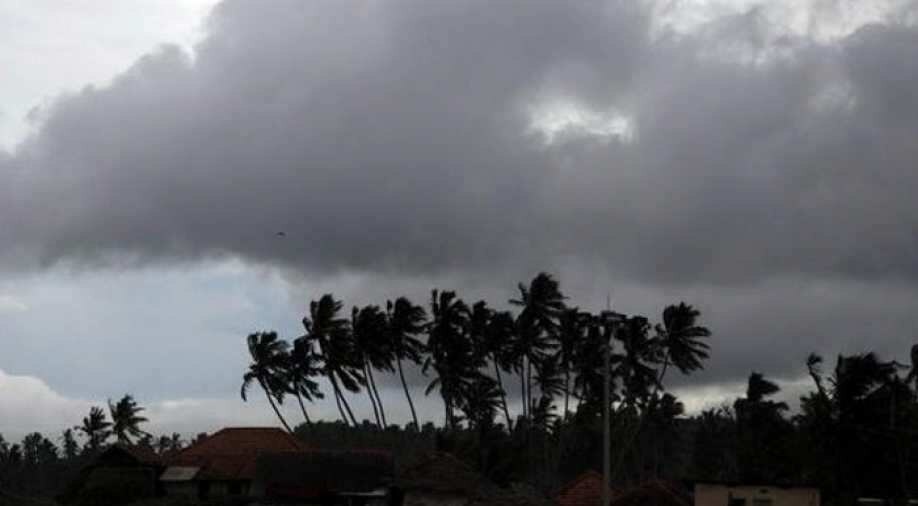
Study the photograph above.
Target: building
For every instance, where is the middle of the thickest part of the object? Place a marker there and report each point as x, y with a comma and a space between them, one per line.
119, 474
584, 490
224, 464
735, 494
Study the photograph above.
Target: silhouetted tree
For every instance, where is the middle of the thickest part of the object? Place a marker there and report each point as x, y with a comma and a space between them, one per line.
541, 304
69, 444
267, 367
96, 428
450, 350
126, 419
342, 363
404, 322
368, 325
304, 365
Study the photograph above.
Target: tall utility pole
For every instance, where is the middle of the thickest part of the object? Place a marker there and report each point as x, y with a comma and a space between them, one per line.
606, 400
606, 436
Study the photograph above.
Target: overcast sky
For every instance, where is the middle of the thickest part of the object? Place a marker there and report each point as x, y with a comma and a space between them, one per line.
755, 159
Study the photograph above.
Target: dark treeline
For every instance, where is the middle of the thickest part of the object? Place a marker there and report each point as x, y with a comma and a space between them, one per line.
522, 400
522, 396
40, 466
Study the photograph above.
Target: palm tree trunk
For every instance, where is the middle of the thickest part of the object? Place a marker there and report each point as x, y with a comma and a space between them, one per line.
347, 407
529, 386
366, 373
338, 398
503, 397
299, 398
522, 374
567, 391
382, 411
414, 415
274, 406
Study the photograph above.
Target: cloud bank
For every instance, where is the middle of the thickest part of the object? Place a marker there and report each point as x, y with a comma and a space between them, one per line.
757, 161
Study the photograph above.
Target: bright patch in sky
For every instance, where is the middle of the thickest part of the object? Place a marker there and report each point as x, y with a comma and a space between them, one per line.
569, 118
816, 19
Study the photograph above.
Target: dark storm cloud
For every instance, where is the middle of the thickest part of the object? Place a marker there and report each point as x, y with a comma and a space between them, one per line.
396, 139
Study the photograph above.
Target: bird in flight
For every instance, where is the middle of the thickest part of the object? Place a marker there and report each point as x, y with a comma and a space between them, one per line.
282, 234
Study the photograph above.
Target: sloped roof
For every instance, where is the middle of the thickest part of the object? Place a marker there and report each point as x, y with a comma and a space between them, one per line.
244, 441
442, 473
585, 490
653, 493
231, 453
316, 472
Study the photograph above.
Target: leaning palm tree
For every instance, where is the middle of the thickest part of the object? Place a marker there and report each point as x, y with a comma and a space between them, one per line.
126, 419
269, 359
404, 322
304, 365
368, 327
541, 304
450, 350
499, 343
572, 327
96, 428
635, 367
341, 363
680, 339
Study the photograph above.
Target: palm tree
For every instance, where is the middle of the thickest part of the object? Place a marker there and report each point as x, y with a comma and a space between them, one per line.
303, 367
342, 363
537, 327
68, 444
368, 325
269, 361
450, 350
635, 367
913, 368
572, 327
680, 338
95, 427
499, 343
126, 419
405, 321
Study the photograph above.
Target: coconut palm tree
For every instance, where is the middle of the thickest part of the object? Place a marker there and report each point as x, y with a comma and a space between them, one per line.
95, 427
450, 349
126, 419
680, 339
341, 362
304, 365
572, 326
404, 322
69, 445
500, 346
269, 361
636, 364
368, 326
541, 304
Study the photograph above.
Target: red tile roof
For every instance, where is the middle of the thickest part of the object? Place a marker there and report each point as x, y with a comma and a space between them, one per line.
231, 453
585, 490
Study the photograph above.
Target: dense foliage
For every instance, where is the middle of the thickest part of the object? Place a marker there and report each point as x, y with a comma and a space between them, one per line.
522, 400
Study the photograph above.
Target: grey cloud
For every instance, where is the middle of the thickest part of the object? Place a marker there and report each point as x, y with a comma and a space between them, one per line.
392, 141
